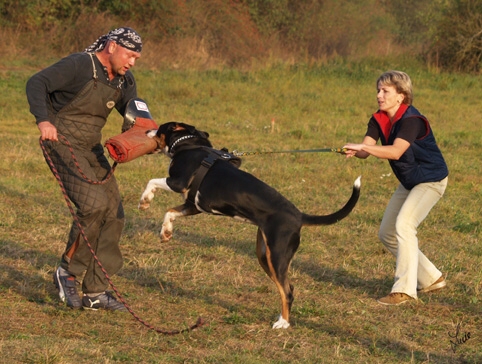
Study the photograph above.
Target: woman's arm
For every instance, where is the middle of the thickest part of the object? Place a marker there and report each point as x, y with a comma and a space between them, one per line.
368, 147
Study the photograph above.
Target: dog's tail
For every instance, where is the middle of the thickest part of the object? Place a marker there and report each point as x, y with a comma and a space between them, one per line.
340, 214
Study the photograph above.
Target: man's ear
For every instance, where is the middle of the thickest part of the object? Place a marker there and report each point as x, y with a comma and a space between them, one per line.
111, 46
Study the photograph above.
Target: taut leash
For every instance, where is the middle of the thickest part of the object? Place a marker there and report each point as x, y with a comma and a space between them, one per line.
320, 150
198, 323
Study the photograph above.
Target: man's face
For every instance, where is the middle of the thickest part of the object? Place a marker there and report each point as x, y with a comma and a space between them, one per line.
122, 59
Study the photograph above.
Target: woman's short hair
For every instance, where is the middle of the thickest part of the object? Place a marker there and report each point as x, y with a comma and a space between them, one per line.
402, 83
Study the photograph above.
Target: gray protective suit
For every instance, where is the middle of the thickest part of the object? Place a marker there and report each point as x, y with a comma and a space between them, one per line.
99, 206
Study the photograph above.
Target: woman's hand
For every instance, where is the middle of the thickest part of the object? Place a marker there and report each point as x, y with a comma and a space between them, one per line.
352, 149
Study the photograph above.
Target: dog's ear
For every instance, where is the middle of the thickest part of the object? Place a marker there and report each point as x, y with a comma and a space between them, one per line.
166, 128
202, 134
173, 126
183, 126
193, 131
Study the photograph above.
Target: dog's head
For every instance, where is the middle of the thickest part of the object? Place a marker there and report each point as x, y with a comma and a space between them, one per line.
173, 134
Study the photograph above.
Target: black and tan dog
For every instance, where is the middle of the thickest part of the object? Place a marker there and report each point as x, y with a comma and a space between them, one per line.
211, 182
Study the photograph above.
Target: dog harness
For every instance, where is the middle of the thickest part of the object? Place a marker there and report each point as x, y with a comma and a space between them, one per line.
213, 156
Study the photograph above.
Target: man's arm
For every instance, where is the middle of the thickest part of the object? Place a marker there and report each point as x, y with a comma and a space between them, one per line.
61, 78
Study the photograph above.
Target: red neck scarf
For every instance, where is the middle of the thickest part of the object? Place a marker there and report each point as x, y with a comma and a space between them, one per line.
384, 121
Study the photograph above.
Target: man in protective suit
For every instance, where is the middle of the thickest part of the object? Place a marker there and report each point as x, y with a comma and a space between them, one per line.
71, 101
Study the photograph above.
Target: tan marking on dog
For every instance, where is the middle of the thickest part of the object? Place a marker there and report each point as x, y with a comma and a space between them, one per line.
285, 313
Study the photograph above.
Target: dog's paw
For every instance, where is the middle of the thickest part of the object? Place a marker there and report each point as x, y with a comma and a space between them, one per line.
146, 198
165, 236
144, 205
281, 323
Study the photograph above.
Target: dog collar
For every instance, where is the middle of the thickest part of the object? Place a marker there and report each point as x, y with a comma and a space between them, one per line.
180, 140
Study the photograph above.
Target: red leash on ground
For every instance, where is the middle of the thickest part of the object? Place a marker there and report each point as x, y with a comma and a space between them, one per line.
62, 138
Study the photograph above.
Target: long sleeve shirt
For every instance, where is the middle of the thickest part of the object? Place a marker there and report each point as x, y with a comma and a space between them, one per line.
55, 86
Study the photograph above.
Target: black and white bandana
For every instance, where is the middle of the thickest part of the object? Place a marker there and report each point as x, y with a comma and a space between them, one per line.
125, 37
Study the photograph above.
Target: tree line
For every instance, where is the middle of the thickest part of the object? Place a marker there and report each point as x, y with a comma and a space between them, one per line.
445, 33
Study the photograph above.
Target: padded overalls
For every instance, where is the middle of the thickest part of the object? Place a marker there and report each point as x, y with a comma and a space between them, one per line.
99, 206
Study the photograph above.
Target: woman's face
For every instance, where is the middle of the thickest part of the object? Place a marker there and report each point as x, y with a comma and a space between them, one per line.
389, 99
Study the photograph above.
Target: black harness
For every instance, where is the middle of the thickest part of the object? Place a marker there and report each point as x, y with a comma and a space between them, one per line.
213, 156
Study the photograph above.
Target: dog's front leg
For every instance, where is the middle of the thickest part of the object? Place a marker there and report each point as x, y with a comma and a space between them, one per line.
148, 193
171, 215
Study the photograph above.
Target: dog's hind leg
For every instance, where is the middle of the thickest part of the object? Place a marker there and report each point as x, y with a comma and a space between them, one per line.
275, 263
171, 215
261, 252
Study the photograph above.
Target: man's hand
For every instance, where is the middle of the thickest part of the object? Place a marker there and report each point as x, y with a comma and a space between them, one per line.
47, 131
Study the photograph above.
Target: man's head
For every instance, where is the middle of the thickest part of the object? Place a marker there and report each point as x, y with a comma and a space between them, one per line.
118, 50
125, 37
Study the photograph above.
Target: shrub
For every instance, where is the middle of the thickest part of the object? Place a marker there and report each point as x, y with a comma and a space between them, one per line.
458, 37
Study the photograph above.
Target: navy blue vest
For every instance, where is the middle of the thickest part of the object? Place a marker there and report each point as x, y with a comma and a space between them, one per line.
422, 161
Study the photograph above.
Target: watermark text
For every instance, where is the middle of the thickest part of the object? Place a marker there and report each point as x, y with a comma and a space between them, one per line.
458, 338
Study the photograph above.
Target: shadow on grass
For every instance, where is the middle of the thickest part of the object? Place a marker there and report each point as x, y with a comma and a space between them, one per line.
34, 286
341, 277
31, 285
373, 288
385, 348
377, 346
320, 273
319, 270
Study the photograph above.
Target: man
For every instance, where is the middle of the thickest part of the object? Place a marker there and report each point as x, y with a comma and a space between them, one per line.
73, 98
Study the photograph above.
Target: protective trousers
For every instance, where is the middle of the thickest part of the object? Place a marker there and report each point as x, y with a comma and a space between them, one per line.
99, 207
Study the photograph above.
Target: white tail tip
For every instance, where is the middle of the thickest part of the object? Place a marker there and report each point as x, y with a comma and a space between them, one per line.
357, 183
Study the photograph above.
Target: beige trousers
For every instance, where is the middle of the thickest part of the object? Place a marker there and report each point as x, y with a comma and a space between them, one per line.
398, 232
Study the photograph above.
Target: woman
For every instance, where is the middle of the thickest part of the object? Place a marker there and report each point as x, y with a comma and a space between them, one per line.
409, 145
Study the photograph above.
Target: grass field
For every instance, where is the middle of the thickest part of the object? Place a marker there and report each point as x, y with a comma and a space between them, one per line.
210, 269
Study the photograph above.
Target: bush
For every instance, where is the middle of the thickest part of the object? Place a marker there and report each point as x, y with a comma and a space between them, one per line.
458, 38
204, 33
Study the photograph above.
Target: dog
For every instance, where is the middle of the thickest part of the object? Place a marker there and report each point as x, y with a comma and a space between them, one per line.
211, 182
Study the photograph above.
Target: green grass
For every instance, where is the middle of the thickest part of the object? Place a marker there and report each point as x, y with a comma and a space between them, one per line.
210, 269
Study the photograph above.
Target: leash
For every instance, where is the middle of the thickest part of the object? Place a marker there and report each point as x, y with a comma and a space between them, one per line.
199, 321
322, 150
